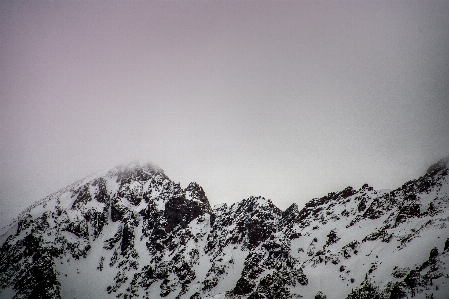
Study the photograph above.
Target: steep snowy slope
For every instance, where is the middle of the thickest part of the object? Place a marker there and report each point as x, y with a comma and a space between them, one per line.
133, 233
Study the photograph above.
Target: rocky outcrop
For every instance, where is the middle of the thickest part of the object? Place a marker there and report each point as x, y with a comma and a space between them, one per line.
137, 234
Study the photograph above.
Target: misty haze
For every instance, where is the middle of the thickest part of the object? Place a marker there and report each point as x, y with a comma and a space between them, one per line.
284, 148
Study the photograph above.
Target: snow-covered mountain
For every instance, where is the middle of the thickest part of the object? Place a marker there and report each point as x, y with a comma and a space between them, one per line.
134, 233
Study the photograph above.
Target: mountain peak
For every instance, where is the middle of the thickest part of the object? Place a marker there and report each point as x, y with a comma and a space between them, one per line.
441, 165
138, 234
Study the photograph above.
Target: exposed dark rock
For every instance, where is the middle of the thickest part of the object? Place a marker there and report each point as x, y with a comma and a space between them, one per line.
197, 193
243, 286
433, 253
332, 238
408, 211
374, 211
127, 238
79, 229
40, 280
179, 211
349, 191
157, 236
102, 195
116, 214
258, 231
366, 187
362, 205
438, 167
398, 291
367, 291
97, 220
82, 198
290, 215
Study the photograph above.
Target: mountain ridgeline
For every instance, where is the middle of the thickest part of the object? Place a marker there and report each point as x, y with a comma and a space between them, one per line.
134, 233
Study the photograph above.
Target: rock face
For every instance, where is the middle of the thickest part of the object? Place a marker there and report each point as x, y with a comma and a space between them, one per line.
133, 233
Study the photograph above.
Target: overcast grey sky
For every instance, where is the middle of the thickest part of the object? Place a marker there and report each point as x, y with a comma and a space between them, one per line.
285, 99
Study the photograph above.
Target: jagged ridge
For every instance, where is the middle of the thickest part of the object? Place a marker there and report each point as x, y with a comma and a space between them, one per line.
137, 234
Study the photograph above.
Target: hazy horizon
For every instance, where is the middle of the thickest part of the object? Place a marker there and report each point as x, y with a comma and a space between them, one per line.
288, 100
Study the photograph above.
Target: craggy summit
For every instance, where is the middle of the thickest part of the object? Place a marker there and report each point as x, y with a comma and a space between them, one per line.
134, 233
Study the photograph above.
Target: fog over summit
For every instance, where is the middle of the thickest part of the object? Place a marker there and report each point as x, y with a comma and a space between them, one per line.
295, 139
131, 232
283, 99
